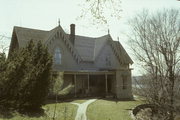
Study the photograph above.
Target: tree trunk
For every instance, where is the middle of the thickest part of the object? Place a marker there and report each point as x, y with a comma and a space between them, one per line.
171, 79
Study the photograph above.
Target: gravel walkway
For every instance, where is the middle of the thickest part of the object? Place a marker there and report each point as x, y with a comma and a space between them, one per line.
81, 111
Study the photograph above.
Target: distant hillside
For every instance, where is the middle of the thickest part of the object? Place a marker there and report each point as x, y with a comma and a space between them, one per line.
136, 79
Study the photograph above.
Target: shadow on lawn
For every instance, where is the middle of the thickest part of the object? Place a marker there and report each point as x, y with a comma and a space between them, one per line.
117, 100
33, 112
62, 100
7, 113
72, 99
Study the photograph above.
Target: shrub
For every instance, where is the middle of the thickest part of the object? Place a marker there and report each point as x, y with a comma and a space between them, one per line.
27, 77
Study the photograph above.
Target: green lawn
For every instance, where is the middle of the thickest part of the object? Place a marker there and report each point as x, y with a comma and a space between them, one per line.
99, 110
65, 111
111, 110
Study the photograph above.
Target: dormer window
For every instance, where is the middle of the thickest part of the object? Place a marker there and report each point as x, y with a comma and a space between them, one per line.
57, 56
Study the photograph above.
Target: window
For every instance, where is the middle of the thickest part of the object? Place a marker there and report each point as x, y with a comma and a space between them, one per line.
57, 56
108, 60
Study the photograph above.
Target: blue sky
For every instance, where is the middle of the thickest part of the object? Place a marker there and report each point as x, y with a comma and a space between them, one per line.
44, 14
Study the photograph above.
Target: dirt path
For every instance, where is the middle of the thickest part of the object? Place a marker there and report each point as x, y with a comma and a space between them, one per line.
81, 111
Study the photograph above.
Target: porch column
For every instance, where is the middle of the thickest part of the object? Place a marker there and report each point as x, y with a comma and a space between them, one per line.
106, 83
88, 83
75, 84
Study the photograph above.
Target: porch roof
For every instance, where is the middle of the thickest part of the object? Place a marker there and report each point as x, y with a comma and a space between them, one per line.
91, 72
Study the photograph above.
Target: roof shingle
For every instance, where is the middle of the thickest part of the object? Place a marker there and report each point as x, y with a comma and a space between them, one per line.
87, 47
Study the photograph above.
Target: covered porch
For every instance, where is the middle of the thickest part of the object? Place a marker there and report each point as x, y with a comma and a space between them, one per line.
91, 83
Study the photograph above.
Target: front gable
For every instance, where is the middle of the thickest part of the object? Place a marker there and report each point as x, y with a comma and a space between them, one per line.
107, 59
68, 62
112, 55
58, 32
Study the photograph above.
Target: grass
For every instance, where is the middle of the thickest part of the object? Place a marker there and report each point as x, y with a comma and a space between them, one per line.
65, 111
111, 110
99, 110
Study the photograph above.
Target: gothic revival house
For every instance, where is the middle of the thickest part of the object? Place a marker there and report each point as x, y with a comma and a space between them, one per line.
96, 66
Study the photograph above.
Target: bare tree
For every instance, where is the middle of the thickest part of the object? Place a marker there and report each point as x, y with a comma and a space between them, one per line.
101, 10
3, 46
155, 41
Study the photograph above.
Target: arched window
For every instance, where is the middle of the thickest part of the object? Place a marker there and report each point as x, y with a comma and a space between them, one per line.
57, 56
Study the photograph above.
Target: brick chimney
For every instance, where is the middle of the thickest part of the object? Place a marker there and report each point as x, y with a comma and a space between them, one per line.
72, 33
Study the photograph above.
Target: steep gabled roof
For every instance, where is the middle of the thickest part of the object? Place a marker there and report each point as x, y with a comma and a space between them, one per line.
25, 34
89, 48
85, 49
120, 52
